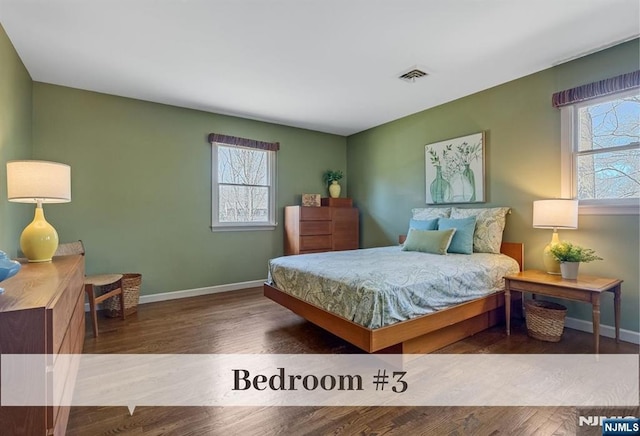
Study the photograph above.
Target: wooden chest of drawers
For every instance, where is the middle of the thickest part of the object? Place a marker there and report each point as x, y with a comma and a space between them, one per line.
42, 312
317, 229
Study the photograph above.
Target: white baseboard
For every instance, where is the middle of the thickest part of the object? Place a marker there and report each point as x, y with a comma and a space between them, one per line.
605, 330
200, 291
175, 295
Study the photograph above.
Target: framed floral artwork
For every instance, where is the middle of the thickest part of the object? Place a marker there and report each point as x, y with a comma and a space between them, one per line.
455, 170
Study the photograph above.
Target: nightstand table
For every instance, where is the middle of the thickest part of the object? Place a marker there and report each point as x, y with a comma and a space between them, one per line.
586, 289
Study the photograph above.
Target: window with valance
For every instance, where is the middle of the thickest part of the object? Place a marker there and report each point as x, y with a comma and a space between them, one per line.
600, 131
243, 183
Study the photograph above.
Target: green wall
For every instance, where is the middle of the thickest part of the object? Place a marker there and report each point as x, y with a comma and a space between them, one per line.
141, 186
387, 170
15, 139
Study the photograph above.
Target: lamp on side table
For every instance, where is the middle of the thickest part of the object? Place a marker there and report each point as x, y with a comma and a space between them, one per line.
554, 214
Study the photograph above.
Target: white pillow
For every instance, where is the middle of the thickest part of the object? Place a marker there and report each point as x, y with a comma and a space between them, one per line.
428, 213
489, 227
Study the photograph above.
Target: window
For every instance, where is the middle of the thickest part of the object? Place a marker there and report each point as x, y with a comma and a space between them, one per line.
601, 153
243, 184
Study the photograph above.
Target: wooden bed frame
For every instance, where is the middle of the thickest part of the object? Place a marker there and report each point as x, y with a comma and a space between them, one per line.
424, 334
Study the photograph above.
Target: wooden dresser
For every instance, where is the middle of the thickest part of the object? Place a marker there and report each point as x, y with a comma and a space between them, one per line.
42, 312
331, 227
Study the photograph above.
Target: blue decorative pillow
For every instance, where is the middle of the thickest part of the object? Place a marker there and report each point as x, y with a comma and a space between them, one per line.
431, 224
462, 241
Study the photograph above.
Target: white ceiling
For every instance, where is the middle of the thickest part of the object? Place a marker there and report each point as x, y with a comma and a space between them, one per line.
327, 65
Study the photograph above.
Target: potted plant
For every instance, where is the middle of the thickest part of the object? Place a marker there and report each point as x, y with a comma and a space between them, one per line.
331, 178
570, 255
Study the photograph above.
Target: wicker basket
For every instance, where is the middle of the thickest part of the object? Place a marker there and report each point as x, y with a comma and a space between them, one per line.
131, 290
545, 320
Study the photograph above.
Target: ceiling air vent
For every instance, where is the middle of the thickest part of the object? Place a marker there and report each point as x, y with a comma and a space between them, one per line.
413, 74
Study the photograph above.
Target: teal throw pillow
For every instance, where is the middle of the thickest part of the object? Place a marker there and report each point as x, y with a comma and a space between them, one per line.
463, 238
431, 224
428, 241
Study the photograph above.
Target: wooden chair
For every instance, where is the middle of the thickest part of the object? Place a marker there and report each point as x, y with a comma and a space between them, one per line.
93, 284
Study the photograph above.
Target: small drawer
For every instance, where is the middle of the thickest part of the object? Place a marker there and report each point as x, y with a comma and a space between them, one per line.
315, 242
315, 213
315, 227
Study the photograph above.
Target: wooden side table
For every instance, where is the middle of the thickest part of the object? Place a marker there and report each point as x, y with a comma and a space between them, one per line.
586, 289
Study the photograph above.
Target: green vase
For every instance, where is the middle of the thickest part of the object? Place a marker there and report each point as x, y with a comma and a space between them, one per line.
468, 173
440, 188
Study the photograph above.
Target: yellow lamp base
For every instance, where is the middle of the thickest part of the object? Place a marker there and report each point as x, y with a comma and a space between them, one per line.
39, 240
551, 265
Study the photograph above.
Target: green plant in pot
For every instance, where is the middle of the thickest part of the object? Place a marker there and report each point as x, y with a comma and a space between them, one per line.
570, 255
331, 178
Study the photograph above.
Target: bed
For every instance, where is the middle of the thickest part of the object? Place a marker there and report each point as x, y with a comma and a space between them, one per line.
422, 334
393, 300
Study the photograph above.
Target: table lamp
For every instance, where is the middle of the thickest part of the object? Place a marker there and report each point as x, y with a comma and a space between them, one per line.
554, 214
39, 182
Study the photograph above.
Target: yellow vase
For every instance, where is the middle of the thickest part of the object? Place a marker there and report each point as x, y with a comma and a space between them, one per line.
334, 189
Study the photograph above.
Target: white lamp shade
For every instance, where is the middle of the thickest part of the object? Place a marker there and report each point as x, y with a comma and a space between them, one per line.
33, 181
555, 214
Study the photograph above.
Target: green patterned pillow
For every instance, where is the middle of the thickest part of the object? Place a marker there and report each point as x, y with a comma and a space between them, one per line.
489, 227
428, 241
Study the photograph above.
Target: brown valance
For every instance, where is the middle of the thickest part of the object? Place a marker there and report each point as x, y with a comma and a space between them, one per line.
597, 89
243, 142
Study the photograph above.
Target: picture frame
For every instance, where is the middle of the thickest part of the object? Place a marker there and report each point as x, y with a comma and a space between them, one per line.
454, 170
311, 200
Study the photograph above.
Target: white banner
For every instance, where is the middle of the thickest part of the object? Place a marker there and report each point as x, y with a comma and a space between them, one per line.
132, 380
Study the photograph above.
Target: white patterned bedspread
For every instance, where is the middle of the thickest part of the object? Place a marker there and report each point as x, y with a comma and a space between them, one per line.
376, 287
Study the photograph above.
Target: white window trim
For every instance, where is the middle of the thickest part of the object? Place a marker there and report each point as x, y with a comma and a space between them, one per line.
568, 176
216, 225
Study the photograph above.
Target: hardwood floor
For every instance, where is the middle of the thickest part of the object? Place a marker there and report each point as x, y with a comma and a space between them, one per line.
246, 322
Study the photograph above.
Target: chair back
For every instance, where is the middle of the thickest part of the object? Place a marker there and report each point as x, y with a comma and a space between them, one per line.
76, 247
